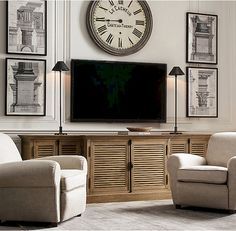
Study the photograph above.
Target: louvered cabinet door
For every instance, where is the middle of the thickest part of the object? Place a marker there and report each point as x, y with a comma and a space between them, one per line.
45, 148
149, 170
178, 146
198, 146
70, 148
109, 173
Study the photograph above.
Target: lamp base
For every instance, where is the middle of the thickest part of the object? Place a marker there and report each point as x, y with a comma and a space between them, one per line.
60, 133
176, 133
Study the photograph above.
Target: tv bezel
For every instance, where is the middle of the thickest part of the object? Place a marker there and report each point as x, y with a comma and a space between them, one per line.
72, 119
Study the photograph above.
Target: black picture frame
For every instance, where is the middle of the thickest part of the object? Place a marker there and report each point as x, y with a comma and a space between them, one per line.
202, 92
25, 93
26, 31
201, 38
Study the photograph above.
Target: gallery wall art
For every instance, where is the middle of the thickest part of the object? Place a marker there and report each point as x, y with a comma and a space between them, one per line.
26, 27
25, 87
202, 38
202, 92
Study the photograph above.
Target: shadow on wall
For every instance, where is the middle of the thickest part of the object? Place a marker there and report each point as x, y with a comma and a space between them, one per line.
3, 27
82, 21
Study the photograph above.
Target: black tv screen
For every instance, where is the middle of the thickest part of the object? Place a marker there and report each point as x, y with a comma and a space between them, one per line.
105, 91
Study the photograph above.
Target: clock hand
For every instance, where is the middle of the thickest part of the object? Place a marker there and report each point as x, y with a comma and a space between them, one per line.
111, 20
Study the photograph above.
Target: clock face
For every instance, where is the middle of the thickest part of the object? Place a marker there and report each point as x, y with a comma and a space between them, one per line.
120, 27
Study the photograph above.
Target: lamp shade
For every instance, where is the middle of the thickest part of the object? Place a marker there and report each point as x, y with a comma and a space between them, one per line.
176, 71
60, 66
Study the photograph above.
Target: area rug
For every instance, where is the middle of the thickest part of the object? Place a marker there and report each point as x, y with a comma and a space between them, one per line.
139, 215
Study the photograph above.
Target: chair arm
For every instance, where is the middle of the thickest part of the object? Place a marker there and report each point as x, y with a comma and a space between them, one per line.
30, 173
180, 160
231, 182
69, 161
177, 161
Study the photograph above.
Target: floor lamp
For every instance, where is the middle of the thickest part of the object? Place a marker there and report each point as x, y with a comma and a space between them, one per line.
60, 66
176, 71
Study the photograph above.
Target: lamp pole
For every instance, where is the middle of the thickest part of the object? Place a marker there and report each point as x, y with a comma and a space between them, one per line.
60, 127
175, 72
60, 66
175, 127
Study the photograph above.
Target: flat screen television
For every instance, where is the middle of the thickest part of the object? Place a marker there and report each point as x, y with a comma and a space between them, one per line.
107, 91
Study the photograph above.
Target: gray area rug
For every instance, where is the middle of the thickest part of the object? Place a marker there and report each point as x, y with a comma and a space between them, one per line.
139, 215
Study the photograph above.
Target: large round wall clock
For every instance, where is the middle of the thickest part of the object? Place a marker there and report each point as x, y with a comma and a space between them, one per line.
119, 27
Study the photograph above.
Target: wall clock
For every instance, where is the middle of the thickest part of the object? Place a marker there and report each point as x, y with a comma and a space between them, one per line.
119, 27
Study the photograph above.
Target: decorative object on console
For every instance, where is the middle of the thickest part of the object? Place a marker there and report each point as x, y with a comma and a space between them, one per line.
202, 38
26, 27
25, 87
119, 27
202, 92
140, 129
60, 66
176, 71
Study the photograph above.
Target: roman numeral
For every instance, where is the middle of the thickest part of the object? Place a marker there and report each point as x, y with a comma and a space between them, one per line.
130, 4
139, 22
121, 2
131, 41
119, 42
101, 19
109, 38
137, 11
102, 29
137, 33
111, 2
103, 8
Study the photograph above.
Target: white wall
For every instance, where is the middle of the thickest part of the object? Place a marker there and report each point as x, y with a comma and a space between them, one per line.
68, 38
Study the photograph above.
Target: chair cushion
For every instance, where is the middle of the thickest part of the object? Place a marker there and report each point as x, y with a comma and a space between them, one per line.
71, 179
203, 174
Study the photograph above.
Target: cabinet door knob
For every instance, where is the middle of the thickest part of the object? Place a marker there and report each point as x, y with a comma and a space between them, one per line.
130, 165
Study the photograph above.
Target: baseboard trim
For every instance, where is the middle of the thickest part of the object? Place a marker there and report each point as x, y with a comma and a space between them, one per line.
103, 198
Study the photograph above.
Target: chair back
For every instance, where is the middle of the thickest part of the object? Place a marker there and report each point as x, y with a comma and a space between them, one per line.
8, 150
221, 147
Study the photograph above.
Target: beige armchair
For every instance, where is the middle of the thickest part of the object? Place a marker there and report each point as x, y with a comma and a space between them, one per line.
50, 189
206, 182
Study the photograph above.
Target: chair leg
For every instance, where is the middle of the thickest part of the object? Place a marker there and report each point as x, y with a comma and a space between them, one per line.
231, 211
79, 215
178, 206
53, 224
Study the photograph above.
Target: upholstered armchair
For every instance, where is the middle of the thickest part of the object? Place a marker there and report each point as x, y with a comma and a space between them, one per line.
50, 189
206, 182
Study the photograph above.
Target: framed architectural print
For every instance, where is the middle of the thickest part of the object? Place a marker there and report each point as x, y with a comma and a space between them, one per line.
202, 32
202, 92
25, 87
26, 27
